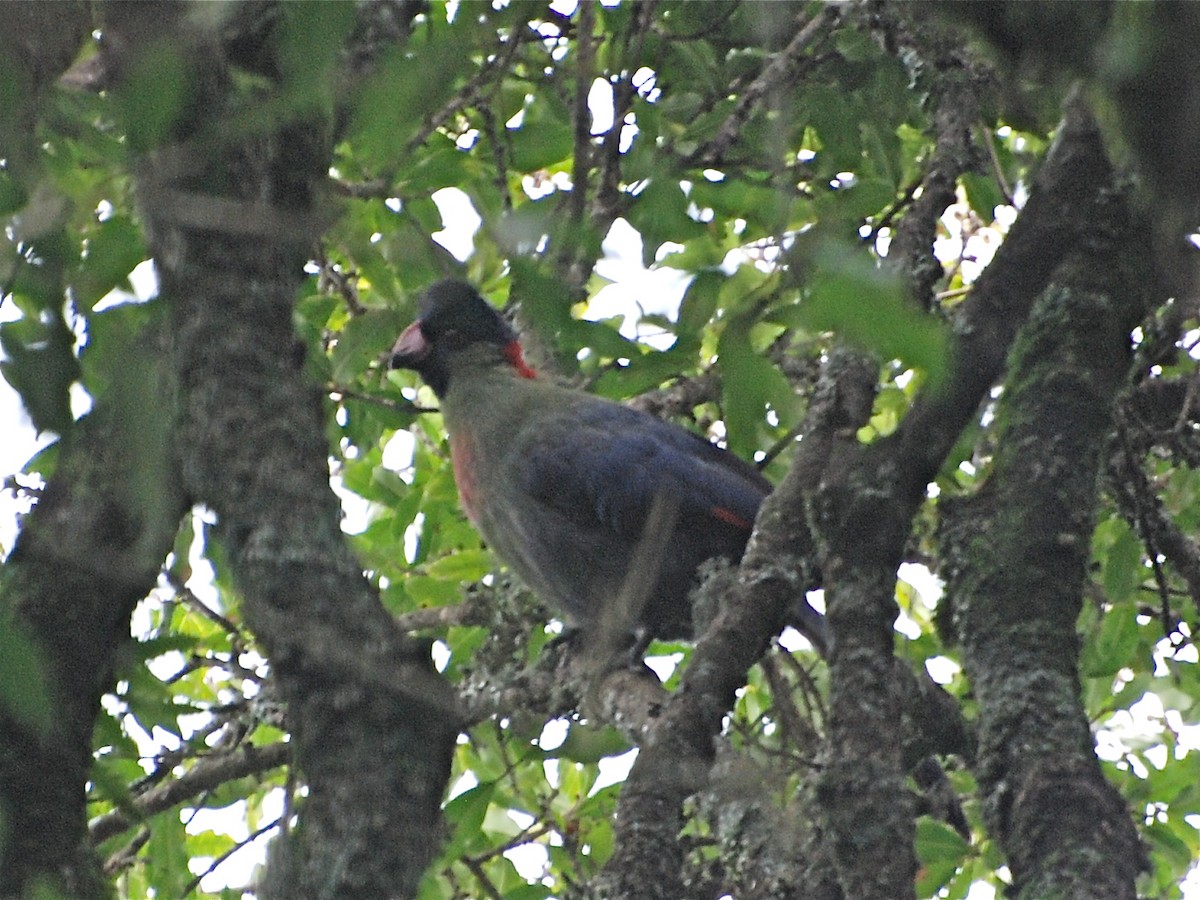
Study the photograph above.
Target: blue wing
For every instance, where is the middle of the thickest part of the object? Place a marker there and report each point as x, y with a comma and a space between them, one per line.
602, 465
588, 475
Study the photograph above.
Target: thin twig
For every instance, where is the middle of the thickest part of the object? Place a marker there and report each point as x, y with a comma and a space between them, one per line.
195, 603
774, 75
250, 839
208, 773
494, 67
997, 169
585, 56
338, 392
481, 877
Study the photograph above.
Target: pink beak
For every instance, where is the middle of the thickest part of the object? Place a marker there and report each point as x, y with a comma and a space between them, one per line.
411, 347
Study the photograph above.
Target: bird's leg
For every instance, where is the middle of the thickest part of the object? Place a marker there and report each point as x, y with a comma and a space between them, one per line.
570, 638
639, 643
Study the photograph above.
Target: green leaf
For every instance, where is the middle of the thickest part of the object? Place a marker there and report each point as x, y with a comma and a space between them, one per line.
851, 297
837, 126
152, 703
983, 193
941, 851
167, 856
365, 339
1110, 650
600, 832
116, 337
544, 137
428, 591
1166, 843
209, 843
41, 367
110, 781
522, 230
749, 385
408, 86
154, 94
601, 337
311, 37
660, 213
151, 648
529, 892
854, 44
465, 813
464, 565
890, 406
12, 195
126, 363
695, 63
1122, 565
112, 251
766, 205
644, 372
699, 302
865, 197
545, 300
705, 251
590, 744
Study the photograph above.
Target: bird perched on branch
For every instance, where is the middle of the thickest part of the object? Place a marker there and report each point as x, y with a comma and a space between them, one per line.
604, 511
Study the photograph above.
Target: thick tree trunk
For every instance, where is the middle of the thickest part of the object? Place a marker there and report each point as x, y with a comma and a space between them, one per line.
1020, 551
90, 550
232, 216
87, 553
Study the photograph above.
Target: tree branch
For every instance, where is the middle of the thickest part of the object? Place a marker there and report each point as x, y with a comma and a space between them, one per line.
88, 552
1057, 215
1065, 830
953, 83
253, 449
207, 774
775, 76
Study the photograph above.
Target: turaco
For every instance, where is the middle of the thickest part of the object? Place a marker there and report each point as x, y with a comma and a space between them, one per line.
585, 499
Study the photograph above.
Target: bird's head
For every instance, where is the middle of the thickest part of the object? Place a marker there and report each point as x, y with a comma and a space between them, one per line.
453, 319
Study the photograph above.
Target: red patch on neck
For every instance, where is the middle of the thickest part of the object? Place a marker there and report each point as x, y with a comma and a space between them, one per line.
516, 357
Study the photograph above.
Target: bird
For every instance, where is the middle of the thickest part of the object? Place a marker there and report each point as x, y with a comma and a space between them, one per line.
604, 511
599, 507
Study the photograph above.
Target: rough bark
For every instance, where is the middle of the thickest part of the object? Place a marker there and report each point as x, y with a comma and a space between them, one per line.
1019, 553
955, 81
861, 510
231, 216
864, 505
846, 511
88, 552
678, 747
